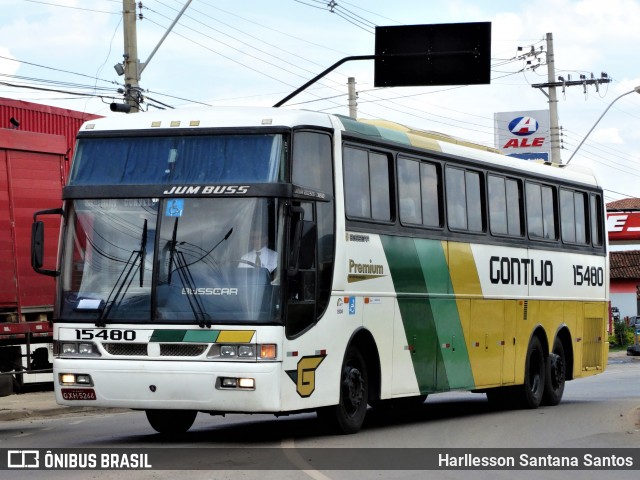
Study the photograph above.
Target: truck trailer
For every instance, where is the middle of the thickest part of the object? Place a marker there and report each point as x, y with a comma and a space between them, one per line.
36, 144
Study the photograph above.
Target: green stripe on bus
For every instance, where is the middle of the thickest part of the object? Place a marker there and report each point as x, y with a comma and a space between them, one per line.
432, 324
188, 336
167, 335
201, 336
455, 369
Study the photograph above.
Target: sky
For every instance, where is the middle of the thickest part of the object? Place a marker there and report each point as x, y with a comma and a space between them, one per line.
255, 52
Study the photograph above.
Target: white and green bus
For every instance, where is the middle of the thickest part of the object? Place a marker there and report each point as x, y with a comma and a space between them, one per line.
394, 265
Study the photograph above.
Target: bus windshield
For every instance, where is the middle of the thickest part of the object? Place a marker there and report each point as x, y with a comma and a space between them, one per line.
176, 260
157, 160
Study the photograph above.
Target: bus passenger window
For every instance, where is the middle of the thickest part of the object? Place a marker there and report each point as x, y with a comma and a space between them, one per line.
534, 210
595, 205
409, 191
456, 199
504, 206
541, 211
573, 216
497, 205
379, 171
549, 213
514, 207
474, 201
464, 200
367, 184
430, 183
356, 182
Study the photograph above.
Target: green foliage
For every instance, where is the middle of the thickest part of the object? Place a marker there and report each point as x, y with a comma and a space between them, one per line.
623, 334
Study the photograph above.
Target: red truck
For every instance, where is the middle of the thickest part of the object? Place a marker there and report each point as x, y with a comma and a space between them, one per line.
36, 144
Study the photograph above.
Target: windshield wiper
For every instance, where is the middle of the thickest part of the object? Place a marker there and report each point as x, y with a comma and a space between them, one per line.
143, 252
125, 278
186, 278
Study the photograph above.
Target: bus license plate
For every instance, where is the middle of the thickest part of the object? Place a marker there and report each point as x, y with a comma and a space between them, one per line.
78, 394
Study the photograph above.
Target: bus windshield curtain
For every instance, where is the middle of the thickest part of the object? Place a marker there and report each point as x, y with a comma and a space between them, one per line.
183, 159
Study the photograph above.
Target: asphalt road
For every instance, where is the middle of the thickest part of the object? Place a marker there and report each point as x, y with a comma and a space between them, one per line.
598, 412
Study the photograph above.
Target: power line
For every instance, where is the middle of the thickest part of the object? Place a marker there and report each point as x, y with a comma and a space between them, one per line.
56, 69
71, 7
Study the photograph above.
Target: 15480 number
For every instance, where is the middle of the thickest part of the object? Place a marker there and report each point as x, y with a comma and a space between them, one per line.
586, 275
110, 334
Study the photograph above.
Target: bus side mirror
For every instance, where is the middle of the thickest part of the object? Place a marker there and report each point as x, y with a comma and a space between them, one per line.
37, 242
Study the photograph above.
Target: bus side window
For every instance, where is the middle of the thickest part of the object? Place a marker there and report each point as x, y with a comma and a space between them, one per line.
573, 216
595, 207
464, 200
505, 200
367, 187
541, 211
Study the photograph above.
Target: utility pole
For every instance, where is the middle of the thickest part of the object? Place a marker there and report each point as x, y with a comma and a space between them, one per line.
353, 104
131, 62
552, 84
553, 103
131, 67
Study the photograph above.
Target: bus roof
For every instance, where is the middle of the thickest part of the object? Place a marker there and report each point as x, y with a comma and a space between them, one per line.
208, 117
229, 117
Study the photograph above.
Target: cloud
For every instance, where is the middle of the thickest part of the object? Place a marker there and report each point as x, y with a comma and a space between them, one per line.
7, 64
607, 135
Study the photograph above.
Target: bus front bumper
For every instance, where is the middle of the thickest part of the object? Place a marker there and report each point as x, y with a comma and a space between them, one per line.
203, 386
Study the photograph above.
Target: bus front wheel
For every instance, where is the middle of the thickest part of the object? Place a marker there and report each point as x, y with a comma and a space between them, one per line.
171, 421
347, 417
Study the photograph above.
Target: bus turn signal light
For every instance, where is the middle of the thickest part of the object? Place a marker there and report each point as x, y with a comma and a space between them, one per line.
268, 351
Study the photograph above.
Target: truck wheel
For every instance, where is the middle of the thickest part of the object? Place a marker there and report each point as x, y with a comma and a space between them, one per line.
6, 385
530, 394
555, 375
171, 421
347, 417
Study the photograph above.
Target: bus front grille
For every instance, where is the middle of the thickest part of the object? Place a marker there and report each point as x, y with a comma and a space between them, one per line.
126, 349
181, 350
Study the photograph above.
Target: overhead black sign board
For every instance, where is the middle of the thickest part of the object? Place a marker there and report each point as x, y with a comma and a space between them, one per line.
454, 54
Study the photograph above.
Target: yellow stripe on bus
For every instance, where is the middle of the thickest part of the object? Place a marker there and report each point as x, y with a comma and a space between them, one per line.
465, 282
463, 271
235, 336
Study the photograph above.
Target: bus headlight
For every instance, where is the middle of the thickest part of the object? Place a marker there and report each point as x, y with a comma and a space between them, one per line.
247, 351
75, 349
75, 379
232, 383
243, 352
228, 351
69, 348
85, 348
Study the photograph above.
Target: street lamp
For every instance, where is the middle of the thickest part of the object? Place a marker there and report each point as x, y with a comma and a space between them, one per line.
636, 90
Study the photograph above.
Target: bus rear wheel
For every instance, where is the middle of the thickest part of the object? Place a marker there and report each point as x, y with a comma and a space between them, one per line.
531, 392
171, 421
556, 375
347, 417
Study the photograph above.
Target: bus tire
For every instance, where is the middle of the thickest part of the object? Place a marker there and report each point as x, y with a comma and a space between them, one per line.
348, 416
171, 421
555, 375
531, 392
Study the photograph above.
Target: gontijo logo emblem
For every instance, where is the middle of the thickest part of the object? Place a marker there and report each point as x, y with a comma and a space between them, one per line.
523, 126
